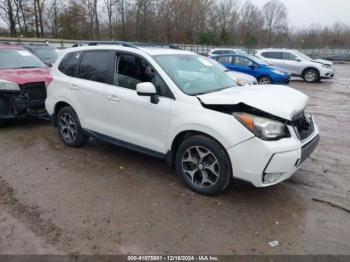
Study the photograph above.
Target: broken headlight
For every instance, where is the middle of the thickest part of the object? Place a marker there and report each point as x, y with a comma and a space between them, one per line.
262, 127
8, 86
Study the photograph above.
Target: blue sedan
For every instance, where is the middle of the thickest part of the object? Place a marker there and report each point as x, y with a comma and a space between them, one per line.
251, 65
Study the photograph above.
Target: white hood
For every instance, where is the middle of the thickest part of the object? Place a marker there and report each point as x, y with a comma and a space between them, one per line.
322, 61
280, 101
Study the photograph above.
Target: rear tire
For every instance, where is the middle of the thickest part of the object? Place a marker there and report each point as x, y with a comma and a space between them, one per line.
69, 128
311, 76
265, 80
203, 165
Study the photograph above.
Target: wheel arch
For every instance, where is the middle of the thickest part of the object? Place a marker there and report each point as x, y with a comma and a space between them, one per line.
182, 136
265, 75
58, 106
311, 67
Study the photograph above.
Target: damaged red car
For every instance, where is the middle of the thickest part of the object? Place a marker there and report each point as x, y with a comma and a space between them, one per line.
23, 81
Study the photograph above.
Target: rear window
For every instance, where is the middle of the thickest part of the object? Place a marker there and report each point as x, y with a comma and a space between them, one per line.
69, 64
97, 66
46, 52
15, 59
273, 55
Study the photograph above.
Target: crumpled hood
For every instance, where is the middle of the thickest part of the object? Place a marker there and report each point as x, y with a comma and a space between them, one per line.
322, 61
280, 101
25, 76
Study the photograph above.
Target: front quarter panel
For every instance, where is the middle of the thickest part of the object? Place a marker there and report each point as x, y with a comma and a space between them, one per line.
222, 127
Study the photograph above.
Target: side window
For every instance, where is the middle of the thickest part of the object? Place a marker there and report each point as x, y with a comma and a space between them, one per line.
97, 66
225, 59
128, 73
132, 70
242, 61
289, 56
272, 55
69, 64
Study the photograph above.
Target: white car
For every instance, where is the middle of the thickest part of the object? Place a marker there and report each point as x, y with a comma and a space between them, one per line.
175, 105
240, 78
298, 64
224, 51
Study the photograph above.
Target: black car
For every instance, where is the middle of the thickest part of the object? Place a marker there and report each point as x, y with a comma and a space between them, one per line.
47, 54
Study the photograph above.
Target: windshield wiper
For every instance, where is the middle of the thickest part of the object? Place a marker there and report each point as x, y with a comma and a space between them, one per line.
24, 67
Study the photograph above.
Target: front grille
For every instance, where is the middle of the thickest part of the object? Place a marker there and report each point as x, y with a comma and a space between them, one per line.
34, 91
304, 127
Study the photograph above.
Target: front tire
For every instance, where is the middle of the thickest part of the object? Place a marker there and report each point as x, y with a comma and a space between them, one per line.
204, 165
311, 76
69, 128
265, 80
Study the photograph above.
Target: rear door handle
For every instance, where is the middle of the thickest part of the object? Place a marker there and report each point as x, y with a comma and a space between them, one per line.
74, 87
113, 98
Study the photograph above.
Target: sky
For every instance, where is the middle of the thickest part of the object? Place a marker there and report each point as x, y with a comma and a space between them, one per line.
302, 13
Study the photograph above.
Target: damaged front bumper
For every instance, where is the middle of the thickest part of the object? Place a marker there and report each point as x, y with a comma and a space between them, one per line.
30, 100
266, 163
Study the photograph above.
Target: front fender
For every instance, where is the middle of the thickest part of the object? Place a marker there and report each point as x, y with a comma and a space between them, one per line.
222, 127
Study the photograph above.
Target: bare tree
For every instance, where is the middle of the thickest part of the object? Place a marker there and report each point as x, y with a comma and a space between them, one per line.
276, 18
250, 24
123, 9
109, 4
7, 13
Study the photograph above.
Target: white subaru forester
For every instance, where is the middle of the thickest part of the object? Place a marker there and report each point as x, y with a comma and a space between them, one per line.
175, 105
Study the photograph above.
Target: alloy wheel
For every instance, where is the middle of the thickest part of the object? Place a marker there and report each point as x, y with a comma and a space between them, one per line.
310, 76
264, 81
67, 127
200, 166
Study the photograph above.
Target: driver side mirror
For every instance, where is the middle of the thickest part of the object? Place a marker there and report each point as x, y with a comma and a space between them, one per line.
148, 89
297, 59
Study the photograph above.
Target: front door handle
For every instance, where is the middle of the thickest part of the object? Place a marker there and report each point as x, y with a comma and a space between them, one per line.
113, 98
73, 87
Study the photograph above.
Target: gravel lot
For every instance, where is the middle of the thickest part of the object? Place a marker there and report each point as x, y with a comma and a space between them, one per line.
102, 199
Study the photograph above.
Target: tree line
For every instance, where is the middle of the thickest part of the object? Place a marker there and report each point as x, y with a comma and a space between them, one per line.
212, 22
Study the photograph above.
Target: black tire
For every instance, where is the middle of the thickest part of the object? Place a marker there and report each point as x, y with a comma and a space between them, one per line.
215, 166
311, 75
69, 128
3, 109
265, 80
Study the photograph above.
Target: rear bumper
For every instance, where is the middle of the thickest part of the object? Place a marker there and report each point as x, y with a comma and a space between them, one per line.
267, 163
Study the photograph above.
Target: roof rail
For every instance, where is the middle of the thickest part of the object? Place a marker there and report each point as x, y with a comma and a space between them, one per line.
160, 45
95, 43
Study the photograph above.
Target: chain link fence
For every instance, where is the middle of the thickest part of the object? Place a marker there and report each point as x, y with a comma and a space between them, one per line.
330, 53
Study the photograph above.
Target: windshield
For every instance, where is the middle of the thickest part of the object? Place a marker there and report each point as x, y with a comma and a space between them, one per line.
194, 74
217, 64
303, 56
13, 59
257, 60
46, 52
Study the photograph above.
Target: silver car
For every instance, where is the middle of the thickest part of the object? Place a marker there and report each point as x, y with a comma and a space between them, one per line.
298, 64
